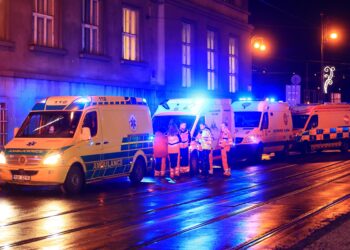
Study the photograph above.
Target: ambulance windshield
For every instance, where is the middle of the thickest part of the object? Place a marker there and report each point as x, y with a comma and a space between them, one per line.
299, 121
50, 124
247, 119
161, 123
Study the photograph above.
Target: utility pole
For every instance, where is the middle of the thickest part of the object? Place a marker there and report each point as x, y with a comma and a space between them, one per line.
322, 95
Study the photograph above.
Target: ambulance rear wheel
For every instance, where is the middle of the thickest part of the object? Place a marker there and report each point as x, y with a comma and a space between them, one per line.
305, 148
75, 181
137, 172
284, 153
344, 147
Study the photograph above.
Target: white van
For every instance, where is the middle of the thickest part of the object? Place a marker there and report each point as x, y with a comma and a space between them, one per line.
321, 126
262, 127
212, 112
73, 140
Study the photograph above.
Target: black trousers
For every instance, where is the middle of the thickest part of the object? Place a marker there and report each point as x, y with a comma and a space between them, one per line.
184, 157
173, 160
206, 164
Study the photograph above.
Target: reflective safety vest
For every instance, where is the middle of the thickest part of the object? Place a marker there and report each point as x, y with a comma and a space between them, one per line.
206, 139
225, 139
185, 138
173, 144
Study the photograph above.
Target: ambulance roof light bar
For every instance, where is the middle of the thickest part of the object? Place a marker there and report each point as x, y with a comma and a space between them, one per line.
272, 99
245, 99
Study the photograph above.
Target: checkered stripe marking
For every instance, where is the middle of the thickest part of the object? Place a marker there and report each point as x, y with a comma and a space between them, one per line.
324, 134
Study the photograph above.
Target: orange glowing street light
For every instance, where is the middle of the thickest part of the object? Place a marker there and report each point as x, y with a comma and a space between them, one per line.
333, 35
259, 44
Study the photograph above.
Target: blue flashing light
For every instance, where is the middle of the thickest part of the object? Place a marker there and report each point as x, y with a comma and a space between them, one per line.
82, 100
144, 100
198, 104
43, 100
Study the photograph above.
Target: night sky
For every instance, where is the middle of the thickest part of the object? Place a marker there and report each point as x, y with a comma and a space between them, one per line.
293, 30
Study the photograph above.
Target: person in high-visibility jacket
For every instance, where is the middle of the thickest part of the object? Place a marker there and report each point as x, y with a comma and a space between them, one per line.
174, 150
185, 136
225, 143
205, 141
160, 153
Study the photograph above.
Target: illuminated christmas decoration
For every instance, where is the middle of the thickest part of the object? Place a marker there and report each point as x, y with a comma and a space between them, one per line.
329, 74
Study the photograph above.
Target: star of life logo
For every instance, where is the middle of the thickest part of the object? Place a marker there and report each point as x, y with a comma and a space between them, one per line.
132, 122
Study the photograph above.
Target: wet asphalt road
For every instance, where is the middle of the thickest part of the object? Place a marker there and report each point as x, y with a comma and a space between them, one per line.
274, 204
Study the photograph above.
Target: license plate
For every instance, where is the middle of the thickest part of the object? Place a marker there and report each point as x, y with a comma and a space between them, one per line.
21, 177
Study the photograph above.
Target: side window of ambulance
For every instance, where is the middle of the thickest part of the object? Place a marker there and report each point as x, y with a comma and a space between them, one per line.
90, 121
265, 121
313, 123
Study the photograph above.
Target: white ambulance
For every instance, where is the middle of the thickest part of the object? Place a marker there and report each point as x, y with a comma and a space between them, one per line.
321, 126
212, 112
72, 140
261, 127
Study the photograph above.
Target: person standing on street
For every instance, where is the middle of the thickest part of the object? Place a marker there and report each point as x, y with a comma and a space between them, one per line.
160, 153
205, 141
174, 150
225, 143
184, 148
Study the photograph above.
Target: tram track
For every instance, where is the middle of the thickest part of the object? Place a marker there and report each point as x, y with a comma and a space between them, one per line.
335, 166
250, 208
278, 230
146, 194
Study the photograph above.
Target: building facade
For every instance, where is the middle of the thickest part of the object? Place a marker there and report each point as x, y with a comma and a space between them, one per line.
156, 49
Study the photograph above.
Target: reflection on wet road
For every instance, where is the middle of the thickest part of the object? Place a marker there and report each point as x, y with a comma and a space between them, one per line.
273, 204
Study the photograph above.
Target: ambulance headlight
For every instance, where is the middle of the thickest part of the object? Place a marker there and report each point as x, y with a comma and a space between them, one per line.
52, 159
2, 158
251, 139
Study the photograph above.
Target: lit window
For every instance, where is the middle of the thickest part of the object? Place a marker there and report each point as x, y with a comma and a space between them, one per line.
3, 123
130, 34
232, 57
3, 19
186, 55
211, 62
43, 21
91, 26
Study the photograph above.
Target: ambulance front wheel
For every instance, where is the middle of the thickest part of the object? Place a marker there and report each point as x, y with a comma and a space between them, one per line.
138, 170
75, 181
259, 153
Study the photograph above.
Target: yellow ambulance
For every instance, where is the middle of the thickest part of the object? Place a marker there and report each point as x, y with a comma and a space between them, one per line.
73, 140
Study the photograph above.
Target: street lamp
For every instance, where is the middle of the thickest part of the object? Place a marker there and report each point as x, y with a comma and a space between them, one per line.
333, 35
325, 38
259, 44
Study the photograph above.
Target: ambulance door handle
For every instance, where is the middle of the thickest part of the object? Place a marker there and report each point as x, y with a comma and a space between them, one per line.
98, 143
105, 142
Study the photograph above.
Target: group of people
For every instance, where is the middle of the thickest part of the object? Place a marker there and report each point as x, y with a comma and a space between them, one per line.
172, 146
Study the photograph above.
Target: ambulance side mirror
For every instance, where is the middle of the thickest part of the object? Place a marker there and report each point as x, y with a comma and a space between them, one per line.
85, 134
15, 131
